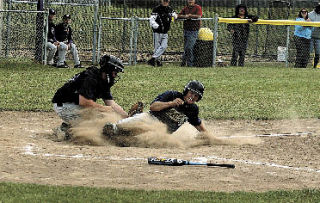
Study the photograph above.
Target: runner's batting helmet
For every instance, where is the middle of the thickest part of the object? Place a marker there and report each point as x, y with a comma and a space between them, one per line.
194, 86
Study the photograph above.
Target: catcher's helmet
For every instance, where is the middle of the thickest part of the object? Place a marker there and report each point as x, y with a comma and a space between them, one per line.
52, 11
109, 63
194, 86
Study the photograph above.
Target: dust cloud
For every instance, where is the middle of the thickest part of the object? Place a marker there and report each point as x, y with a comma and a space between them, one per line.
147, 132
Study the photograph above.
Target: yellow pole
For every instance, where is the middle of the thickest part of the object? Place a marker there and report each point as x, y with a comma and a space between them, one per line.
270, 22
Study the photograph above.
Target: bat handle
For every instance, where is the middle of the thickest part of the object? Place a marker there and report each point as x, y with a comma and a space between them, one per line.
222, 165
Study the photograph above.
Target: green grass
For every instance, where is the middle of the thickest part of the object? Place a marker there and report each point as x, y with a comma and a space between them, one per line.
11, 192
253, 92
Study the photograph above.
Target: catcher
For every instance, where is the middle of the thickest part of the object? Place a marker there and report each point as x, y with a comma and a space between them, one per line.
172, 108
85, 88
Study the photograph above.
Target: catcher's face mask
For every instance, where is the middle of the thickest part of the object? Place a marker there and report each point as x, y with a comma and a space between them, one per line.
116, 76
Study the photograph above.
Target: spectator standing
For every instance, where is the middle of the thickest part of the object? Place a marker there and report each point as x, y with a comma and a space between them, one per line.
315, 36
190, 29
302, 39
52, 43
64, 36
160, 21
240, 35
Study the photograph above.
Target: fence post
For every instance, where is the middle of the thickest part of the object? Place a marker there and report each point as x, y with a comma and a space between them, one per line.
95, 21
136, 31
215, 40
8, 30
287, 45
99, 39
124, 29
131, 41
1, 26
39, 32
45, 38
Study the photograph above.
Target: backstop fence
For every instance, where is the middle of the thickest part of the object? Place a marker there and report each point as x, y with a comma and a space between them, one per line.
18, 37
124, 31
133, 42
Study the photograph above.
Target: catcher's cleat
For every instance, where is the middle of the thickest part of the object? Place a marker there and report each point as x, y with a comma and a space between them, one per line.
62, 132
110, 130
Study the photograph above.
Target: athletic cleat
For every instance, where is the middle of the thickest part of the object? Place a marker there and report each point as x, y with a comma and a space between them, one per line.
78, 66
159, 64
152, 62
110, 130
62, 132
64, 65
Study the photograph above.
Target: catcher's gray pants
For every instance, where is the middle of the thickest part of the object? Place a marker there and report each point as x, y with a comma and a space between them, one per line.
67, 111
62, 51
51, 51
160, 43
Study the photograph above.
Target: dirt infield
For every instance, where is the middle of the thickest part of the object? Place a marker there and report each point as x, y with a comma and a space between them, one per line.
29, 155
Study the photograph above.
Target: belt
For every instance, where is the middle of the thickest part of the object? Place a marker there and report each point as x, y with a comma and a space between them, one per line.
59, 104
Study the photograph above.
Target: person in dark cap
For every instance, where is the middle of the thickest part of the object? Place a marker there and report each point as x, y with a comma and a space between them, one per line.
240, 35
315, 36
52, 43
64, 36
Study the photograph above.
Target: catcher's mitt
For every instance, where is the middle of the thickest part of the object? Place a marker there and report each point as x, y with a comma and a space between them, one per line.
136, 108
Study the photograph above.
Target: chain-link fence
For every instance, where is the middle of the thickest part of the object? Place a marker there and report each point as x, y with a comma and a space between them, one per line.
20, 26
215, 44
18, 36
118, 37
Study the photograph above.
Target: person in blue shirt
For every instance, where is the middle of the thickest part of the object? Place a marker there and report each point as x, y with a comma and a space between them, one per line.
315, 36
302, 39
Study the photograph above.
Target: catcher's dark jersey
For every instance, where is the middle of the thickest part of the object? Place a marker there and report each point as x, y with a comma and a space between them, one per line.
173, 116
87, 83
164, 15
64, 33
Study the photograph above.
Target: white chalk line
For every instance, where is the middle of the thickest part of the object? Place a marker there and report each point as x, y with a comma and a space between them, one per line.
204, 159
28, 150
272, 135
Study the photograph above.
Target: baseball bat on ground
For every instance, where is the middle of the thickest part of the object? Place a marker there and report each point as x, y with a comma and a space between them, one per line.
180, 162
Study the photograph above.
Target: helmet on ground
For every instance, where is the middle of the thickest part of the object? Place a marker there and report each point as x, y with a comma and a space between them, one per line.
66, 16
52, 11
194, 86
109, 63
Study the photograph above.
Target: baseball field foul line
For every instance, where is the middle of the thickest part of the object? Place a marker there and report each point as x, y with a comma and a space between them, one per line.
272, 135
29, 150
260, 163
